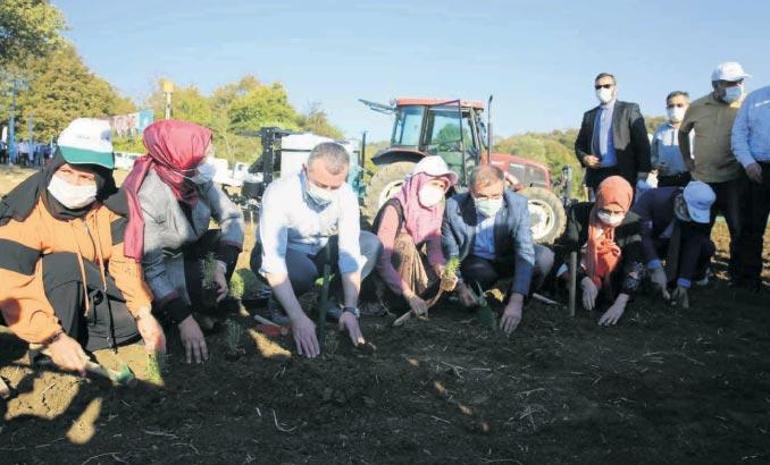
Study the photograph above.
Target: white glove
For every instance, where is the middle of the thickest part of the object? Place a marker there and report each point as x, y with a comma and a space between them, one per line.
590, 292
659, 280
681, 297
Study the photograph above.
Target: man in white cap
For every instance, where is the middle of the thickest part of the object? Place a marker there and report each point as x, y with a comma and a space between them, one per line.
675, 228
711, 118
67, 285
751, 144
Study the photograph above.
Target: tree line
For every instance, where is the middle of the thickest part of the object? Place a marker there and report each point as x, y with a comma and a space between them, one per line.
56, 86
60, 87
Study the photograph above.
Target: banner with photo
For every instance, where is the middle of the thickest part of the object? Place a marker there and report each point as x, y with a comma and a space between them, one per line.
132, 124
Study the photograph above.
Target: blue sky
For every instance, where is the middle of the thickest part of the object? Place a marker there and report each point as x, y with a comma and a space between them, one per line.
537, 58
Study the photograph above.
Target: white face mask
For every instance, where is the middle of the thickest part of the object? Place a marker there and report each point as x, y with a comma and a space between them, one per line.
318, 195
733, 94
430, 196
604, 95
610, 220
72, 196
676, 114
488, 207
206, 171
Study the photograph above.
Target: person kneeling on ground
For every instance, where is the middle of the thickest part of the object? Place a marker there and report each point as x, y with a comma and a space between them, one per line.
488, 230
307, 221
675, 225
409, 227
66, 283
172, 201
608, 238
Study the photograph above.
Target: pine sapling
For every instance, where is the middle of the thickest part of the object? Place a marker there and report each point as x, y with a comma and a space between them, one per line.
233, 334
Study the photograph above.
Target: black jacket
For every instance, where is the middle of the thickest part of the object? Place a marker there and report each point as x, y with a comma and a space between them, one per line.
632, 147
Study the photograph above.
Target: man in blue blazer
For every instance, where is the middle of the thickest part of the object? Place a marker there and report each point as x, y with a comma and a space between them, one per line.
488, 230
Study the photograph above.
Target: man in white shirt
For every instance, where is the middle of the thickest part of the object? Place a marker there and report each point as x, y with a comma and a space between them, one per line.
302, 216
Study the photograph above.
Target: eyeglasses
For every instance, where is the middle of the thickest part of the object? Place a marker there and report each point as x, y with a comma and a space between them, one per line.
604, 86
677, 105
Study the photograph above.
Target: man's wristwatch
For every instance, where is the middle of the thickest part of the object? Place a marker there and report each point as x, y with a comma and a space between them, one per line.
353, 310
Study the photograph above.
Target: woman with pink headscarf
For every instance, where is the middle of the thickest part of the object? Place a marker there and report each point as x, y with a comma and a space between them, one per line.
409, 227
172, 200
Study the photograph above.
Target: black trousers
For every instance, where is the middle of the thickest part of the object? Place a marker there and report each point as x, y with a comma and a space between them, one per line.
484, 273
754, 217
675, 180
730, 199
194, 256
109, 323
595, 176
703, 262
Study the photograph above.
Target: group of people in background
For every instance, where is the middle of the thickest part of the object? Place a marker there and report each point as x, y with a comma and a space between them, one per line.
712, 153
27, 154
86, 266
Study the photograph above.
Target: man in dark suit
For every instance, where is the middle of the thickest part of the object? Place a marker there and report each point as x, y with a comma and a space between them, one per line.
612, 138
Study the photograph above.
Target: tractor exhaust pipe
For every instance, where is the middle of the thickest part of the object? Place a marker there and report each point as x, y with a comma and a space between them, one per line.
489, 132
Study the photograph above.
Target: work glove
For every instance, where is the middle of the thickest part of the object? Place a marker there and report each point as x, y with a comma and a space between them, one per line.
590, 292
660, 281
681, 297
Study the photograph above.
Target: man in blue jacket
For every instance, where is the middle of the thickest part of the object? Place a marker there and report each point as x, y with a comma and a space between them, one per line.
488, 230
675, 228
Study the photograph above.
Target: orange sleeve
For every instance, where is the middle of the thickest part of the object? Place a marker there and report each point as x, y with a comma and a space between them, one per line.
127, 273
22, 295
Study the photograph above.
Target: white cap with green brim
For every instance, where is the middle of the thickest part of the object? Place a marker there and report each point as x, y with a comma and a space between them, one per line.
87, 141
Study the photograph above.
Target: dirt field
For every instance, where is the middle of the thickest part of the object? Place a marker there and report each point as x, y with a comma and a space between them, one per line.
667, 386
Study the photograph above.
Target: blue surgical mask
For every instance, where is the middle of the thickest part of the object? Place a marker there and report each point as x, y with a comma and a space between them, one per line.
488, 207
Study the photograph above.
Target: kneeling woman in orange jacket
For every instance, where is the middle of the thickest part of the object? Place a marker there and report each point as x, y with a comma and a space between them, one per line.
66, 283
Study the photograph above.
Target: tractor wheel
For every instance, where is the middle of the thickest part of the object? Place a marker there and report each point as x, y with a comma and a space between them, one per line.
385, 183
546, 214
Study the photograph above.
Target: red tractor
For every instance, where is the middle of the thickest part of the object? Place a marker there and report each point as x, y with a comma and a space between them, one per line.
455, 130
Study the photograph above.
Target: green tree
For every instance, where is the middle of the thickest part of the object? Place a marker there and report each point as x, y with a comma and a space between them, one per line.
223, 96
28, 28
62, 88
316, 120
652, 122
263, 106
187, 104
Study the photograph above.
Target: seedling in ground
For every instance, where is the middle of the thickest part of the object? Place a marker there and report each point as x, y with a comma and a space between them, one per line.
233, 333
485, 314
208, 286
